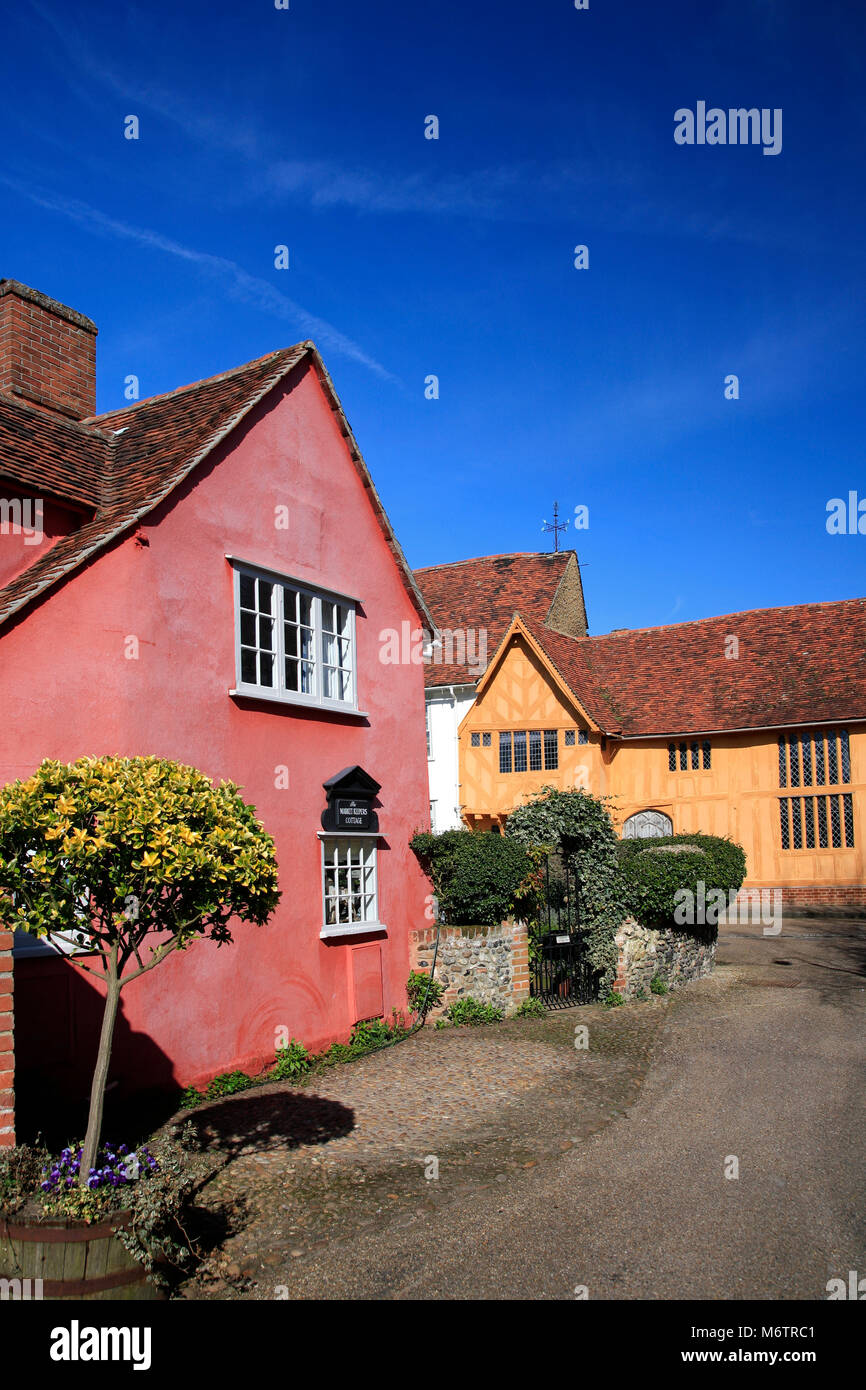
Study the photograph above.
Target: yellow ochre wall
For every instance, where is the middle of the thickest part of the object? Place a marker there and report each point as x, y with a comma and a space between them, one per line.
738, 796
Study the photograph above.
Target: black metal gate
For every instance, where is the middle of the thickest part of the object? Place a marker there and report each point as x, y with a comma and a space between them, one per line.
559, 972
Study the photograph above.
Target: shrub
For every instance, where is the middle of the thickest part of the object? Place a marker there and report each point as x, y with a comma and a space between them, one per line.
612, 1000
423, 992
655, 870
531, 1008
476, 875
578, 826
657, 985
472, 1012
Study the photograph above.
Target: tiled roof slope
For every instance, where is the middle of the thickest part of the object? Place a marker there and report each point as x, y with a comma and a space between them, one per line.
485, 593
798, 665
145, 451
51, 453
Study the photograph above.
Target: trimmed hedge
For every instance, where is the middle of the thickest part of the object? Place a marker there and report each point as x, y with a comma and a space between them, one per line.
651, 880
476, 875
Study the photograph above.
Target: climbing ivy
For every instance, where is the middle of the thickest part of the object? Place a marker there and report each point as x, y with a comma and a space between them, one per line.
577, 825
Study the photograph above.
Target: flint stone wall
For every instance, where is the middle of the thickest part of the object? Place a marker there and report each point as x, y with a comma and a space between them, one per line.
675, 956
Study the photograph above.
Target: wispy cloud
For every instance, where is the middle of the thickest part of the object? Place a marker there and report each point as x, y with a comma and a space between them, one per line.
614, 194
246, 288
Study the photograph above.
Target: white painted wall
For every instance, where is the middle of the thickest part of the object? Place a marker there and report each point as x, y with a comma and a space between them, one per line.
446, 707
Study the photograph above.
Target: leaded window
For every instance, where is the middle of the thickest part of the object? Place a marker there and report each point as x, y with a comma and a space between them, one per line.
551, 749
535, 750
505, 752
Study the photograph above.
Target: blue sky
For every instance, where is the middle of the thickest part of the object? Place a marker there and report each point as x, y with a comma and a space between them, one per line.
409, 257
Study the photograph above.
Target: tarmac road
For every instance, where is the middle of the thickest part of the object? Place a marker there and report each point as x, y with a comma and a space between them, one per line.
762, 1063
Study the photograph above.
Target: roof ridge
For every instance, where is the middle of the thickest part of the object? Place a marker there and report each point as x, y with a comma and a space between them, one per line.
504, 555
719, 617
92, 421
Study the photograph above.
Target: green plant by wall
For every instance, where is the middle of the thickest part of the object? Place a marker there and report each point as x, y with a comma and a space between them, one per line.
655, 870
477, 876
472, 1012
423, 992
578, 825
657, 985
293, 1061
228, 1083
612, 1000
531, 1008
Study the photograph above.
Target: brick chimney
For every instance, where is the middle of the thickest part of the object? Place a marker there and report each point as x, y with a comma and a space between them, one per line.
47, 352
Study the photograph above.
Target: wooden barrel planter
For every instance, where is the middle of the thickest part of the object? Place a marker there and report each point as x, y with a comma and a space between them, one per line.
73, 1260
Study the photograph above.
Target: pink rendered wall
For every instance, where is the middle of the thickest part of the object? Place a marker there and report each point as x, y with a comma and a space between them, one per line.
68, 689
21, 546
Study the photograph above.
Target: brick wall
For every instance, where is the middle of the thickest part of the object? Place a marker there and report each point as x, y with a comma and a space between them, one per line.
7, 1054
834, 898
47, 352
489, 963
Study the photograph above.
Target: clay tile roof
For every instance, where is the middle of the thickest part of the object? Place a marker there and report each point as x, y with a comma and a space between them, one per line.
798, 665
51, 453
485, 593
140, 454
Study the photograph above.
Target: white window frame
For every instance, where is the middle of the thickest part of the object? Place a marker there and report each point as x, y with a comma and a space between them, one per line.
359, 841
429, 724
279, 691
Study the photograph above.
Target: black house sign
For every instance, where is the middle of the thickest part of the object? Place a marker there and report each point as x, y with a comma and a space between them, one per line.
351, 794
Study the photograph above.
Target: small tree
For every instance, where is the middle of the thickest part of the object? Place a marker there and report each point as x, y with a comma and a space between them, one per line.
129, 859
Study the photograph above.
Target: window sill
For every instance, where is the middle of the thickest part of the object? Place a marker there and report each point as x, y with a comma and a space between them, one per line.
349, 834
355, 929
252, 692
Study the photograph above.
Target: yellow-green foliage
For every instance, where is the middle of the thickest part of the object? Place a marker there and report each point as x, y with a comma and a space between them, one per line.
109, 850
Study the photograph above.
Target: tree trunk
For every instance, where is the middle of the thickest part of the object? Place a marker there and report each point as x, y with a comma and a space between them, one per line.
100, 1075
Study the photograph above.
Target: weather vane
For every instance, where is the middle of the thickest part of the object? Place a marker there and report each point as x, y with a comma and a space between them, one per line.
555, 526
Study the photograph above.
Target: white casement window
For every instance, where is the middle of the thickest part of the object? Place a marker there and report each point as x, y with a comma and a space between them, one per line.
293, 643
429, 731
350, 893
